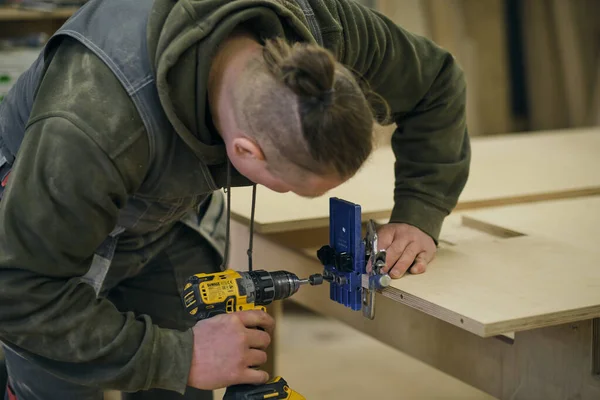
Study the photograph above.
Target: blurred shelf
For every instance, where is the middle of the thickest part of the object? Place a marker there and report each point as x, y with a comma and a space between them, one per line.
20, 14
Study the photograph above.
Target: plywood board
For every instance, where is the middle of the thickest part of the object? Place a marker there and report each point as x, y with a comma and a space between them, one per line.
546, 92
448, 29
409, 14
486, 287
505, 285
520, 260
505, 169
573, 221
485, 25
554, 361
569, 39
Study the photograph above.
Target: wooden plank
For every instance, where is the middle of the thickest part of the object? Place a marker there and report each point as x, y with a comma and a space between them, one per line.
505, 285
594, 114
573, 221
17, 22
505, 169
546, 91
554, 361
474, 32
551, 364
446, 24
485, 26
14, 29
410, 14
569, 43
489, 287
20, 14
447, 28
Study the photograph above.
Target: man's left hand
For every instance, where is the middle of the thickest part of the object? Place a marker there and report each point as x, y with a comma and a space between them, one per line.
407, 247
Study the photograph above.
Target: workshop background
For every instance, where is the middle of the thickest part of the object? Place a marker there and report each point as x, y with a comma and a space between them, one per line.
530, 65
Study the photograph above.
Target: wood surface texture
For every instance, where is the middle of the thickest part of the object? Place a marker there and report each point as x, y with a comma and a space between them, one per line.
488, 286
505, 169
550, 363
595, 106
505, 285
572, 221
546, 103
569, 47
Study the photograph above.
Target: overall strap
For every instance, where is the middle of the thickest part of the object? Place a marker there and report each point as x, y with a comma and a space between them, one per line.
102, 261
5, 168
313, 24
15, 110
115, 31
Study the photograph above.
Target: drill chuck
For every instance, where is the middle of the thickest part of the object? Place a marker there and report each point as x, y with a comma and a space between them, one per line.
265, 287
276, 285
285, 284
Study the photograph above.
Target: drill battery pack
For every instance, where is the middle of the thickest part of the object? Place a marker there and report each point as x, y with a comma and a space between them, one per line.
276, 388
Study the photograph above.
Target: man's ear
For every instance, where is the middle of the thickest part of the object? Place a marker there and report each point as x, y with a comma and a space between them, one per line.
245, 148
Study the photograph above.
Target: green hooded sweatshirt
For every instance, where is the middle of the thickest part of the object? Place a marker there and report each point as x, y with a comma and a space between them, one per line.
86, 150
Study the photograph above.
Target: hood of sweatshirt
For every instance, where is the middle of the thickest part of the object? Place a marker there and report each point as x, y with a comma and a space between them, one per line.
183, 37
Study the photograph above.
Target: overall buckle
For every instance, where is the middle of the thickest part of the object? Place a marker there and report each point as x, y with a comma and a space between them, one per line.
5, 169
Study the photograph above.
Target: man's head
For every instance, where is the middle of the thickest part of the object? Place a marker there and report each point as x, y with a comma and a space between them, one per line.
298, 120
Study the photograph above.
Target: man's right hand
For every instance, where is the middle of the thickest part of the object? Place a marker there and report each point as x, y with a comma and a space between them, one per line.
227, 346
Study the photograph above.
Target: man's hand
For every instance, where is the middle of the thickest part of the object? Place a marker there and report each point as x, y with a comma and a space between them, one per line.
406, 247
227, 346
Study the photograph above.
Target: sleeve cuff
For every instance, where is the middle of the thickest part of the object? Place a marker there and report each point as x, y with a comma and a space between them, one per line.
419, 213
174, 359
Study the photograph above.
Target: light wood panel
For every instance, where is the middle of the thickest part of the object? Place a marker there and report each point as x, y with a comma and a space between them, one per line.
554, 362
569, 47
409, 14
561, 40
486, 29
573, 221
505, 285
488, 287
474, 31
594, 116
546, 93
505, 169
448, 28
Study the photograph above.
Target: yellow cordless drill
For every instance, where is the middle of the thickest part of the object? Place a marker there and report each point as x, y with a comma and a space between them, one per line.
207, 295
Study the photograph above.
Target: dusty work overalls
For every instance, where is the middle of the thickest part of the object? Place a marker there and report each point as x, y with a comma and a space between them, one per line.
193, 211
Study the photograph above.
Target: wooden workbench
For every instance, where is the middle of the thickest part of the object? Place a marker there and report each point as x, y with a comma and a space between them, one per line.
510, 304
505, 169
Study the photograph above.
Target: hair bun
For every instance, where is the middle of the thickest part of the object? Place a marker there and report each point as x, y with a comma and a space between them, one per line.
308, 70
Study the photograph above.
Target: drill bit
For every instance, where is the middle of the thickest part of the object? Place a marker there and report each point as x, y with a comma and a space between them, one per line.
313, 280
